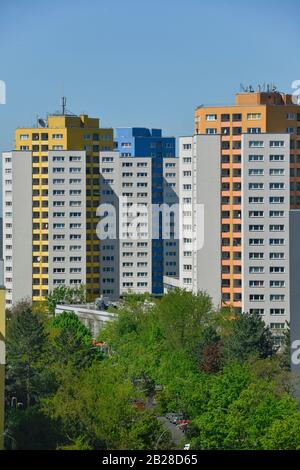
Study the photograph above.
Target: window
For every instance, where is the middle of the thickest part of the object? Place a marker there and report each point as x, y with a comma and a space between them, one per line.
277, 269
276, 200
58, 159
291, 116
253, 116
256, 143
75, 181
58, 170
277, 284
291, 130
257, 311
276, 213
255, 158
276, 255
75, 158
256, 297
256, 200
277, 298
277, 158
254, 130
256, 241
225, 117
276, 185
256, 283
256, 228
256, 214
211, 117
256, 269
277, 311
256, 255
276, 143
276, 171
256, 186
187, 146
211, 130
276, 241
255, 172
276, 228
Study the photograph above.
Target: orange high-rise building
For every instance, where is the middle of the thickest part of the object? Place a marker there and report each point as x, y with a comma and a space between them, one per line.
254, 113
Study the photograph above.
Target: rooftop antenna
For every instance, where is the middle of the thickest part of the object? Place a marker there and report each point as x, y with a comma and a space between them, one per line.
63, 104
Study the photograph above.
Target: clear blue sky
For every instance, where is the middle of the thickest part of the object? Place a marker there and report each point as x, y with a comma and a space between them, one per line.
138, 62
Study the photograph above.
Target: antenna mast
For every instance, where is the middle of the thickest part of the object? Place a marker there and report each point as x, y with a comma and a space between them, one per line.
63, 104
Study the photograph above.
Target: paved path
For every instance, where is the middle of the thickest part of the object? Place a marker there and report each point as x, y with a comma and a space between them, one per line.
177, 434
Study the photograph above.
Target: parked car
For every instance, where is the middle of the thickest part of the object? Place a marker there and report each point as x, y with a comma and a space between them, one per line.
171, 417
187, 447
182, 423
178, 417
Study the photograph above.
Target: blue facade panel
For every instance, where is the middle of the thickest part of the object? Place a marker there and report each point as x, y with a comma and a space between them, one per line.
143, 142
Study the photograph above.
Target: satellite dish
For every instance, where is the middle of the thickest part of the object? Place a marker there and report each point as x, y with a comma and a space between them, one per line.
42, 122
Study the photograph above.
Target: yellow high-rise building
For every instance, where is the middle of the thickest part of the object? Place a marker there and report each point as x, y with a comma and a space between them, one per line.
52, 181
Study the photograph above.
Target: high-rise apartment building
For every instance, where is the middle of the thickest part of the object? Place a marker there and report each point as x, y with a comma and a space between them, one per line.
51, 192
254, 113
136, 179
243, 166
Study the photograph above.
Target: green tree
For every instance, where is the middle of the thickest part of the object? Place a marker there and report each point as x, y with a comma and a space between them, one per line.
30, 429
70, 321
66, 295
93, 406
208, 350
26, 345
182, 316
71, 341
19, 307
146, 432
248, 336
283, 434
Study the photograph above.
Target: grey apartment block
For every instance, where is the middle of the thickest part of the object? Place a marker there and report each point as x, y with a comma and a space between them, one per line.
67, 218
171, 203
199, 198
66, 228
17, 225
126, 189
266, 227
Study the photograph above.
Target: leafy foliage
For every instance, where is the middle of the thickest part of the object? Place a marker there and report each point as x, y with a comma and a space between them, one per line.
175, 354
66, 295
26, 347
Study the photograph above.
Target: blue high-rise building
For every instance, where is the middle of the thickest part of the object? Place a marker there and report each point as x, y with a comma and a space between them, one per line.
142, 142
